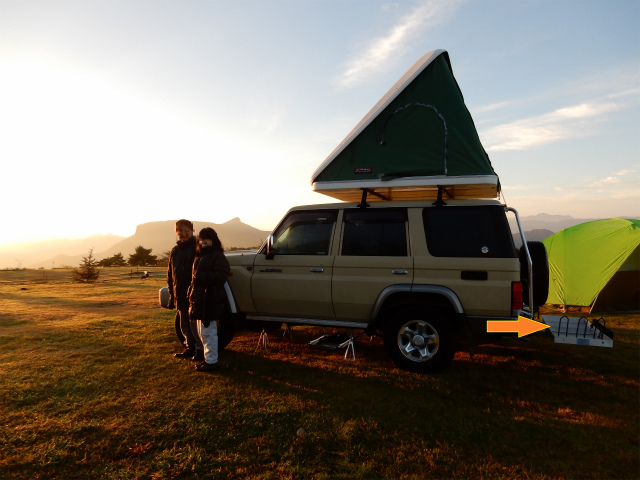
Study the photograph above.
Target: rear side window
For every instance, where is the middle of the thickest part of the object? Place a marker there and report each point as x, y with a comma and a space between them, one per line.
305, 233
375, 232
480, 231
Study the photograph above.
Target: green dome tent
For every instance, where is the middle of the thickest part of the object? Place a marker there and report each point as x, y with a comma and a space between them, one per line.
596, 264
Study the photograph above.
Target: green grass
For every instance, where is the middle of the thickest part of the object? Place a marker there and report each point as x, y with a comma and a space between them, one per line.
42, 275
89, 389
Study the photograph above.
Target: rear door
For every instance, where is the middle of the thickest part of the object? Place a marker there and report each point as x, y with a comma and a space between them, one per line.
296, 282
374, 254
470, 251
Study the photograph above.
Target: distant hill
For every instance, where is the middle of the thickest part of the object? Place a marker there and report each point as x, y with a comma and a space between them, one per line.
40, 254
161, 236
538, 227
532, 236
158, 236
544, 221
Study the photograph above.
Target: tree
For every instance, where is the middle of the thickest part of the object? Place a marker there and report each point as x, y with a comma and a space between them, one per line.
142, 257
88, 271
116, 261
163, 259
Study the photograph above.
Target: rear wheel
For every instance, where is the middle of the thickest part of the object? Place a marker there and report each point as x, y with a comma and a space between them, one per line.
419, 339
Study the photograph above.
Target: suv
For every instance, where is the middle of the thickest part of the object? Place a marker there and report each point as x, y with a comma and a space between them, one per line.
422, 275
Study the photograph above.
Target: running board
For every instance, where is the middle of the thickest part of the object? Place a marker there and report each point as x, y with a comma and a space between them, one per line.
579, 331
310, 321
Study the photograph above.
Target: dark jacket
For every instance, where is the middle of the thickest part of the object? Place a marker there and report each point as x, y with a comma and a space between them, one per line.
206, 293
179, 272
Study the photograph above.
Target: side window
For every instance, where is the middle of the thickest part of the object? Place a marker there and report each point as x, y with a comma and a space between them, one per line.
479, 231
305, 233
375, 232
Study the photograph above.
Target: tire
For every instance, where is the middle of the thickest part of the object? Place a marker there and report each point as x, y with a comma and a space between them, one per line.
419, 339
179, 334
540, 271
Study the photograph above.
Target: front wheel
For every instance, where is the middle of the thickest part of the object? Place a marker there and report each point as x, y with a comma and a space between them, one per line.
226, 331
419, 340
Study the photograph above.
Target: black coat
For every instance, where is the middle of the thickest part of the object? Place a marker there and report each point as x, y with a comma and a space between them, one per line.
179, 272
206, 293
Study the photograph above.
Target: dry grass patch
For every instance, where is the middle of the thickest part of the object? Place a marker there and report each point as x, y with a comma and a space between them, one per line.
89, 389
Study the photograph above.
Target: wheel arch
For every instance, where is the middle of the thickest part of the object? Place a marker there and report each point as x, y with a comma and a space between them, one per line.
435, 296
231, 301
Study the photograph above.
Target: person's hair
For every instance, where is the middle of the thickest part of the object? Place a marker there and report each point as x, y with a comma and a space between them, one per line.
184, 223
210, 233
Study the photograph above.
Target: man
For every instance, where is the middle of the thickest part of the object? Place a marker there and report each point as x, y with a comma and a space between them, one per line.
178, 280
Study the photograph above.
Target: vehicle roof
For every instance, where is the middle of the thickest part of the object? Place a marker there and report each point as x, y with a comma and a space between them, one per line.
392, 204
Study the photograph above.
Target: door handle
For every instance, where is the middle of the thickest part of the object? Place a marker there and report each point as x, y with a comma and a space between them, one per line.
400, 272
316, 270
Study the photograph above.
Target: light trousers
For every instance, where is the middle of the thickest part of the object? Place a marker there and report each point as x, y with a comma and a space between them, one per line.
209, 336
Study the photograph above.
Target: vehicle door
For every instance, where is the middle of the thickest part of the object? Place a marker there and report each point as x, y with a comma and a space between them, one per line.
374, 254
471, 252
296, 281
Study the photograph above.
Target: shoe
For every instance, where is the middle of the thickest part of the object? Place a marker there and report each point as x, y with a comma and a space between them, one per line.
207, 367
199, 356
188, 353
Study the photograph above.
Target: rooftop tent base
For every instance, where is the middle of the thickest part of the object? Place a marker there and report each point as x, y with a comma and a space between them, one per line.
415, 188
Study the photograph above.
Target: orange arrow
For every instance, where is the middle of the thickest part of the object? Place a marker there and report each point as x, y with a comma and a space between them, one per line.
523, 326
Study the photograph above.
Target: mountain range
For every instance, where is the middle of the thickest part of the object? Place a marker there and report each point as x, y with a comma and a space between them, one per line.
160, 237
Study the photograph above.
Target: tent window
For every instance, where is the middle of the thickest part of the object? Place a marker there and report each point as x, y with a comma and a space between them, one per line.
375, 233
305, 233
479, 231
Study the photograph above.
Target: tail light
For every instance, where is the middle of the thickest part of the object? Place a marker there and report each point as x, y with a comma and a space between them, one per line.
516, 295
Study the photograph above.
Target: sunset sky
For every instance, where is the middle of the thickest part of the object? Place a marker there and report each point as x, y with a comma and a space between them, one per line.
120, 112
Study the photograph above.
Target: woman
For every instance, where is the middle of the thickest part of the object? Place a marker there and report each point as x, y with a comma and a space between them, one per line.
206, 294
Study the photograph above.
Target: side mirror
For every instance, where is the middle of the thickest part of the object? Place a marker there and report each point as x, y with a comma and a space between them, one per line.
270, 253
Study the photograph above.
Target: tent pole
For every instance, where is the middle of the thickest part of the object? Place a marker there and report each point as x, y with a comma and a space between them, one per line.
594, 303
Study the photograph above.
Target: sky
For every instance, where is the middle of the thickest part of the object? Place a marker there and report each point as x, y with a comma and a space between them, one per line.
115, 113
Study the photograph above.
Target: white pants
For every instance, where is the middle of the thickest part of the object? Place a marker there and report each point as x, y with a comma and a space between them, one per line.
209, 338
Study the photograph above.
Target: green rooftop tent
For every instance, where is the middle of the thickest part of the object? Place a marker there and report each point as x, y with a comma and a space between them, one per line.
596, 265
418, 137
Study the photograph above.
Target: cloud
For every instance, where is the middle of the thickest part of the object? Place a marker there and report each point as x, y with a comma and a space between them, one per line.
376, 57
589, 107
492, 107
627, 171
584, 110
574, 121
628, 186
607, 181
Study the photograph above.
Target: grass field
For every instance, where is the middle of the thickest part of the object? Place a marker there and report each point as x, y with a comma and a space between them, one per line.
89, 389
